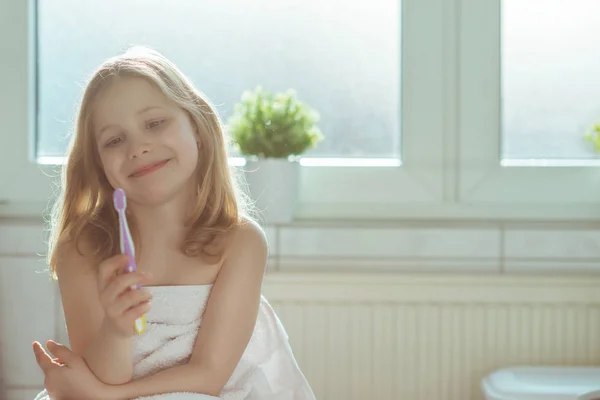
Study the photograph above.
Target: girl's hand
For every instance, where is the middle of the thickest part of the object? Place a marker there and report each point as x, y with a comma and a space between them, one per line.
122, 305
67, 376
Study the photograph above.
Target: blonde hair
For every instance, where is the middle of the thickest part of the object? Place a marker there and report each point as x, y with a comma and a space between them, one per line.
84, 208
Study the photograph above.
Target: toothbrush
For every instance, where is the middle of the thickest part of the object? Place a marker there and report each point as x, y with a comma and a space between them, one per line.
127, 247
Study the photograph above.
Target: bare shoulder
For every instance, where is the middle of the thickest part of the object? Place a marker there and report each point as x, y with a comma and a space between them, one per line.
74, 256
250, 233
248, 242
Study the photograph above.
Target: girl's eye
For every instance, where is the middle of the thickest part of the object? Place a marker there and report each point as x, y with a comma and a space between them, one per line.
154, 124
113, 142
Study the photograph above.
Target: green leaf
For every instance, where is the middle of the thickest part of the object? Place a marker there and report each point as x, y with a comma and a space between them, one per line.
271, 125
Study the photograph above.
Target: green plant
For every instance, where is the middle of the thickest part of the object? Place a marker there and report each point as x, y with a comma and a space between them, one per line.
594, 136
268, 125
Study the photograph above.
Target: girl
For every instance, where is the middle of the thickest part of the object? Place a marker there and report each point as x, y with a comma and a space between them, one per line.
143, 127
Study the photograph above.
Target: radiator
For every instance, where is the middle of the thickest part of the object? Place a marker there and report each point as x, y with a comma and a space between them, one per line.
432, 337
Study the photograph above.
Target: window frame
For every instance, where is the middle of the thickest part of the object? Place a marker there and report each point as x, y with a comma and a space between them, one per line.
450, 93
348, 191
18, 150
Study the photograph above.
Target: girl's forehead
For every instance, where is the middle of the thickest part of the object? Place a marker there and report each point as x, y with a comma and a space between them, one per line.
128, 89
125, 96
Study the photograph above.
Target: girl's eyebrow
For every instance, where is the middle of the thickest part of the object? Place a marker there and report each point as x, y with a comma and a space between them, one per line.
143, 110
105, 128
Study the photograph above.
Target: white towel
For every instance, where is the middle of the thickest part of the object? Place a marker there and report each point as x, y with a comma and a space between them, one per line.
266, 371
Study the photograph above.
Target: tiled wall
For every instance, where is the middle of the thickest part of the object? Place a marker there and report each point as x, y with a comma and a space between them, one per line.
492, 248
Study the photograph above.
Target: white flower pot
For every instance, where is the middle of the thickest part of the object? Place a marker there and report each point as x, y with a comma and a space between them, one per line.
273, 186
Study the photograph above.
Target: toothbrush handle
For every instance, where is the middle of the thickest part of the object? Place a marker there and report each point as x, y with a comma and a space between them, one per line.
127, 248
127, 245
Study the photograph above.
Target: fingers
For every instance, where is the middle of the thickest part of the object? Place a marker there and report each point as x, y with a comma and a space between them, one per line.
137, 311
109, 268
43, 359
62, 353
122, 283
130, 299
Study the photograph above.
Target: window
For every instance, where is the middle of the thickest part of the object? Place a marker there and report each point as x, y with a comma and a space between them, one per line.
344, 61
348, 62
525, 100
461, 109
550, 79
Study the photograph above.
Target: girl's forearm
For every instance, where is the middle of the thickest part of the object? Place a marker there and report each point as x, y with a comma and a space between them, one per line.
109, 357
185, 378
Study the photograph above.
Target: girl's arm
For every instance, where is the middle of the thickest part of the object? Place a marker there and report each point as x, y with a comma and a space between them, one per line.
227, 324
108, 355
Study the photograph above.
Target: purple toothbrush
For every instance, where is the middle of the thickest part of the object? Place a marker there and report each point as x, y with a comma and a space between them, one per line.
127, 247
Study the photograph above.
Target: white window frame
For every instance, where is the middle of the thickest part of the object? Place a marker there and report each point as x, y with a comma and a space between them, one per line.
450, 96
24, 186
331, 192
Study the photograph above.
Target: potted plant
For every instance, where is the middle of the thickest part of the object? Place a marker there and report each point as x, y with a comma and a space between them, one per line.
271, 130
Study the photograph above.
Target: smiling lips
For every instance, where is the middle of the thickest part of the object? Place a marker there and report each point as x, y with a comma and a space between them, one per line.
148, 169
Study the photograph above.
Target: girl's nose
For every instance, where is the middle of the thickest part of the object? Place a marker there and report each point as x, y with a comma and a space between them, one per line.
138, 147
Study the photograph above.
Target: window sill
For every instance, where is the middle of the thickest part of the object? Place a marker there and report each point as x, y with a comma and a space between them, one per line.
360, 213
22, 210
490, 248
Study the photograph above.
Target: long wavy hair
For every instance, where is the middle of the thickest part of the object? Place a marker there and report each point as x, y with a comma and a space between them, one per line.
84, 207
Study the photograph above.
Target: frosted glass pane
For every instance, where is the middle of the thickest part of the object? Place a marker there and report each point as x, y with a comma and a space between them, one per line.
550, 78
343, 58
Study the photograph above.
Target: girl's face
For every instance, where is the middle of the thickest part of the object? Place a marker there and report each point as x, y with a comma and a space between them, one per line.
147, 144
